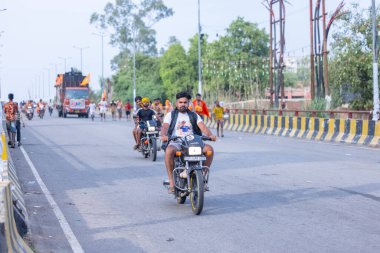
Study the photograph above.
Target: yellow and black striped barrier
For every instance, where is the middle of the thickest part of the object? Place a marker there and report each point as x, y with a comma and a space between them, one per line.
352, 131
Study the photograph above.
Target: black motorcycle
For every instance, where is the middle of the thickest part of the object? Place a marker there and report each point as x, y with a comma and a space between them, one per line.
190, 175
41, 113
149, 139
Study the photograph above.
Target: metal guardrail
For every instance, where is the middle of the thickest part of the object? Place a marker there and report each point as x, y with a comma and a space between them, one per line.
309, 113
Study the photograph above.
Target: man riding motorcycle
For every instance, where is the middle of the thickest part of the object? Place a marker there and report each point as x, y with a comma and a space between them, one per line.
144, 114
41, 109
182, 122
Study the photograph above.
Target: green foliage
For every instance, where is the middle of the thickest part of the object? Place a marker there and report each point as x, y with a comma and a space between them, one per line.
148, 80
236, 65
318, 104
132, 21
290, 79
176, 71
351, 64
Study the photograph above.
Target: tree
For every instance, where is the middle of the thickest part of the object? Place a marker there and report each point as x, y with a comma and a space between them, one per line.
351, 61
148, 82
175, 71
237, 63
132, 22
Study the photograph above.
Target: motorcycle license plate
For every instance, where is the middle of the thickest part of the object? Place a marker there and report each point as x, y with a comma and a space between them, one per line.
194, 158
153, 132
76, 111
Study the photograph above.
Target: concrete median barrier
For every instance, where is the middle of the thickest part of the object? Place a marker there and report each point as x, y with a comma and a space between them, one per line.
10, 239
351, 131
13, 214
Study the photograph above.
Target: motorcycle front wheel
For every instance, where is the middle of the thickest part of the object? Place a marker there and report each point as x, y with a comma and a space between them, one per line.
154, 149
197, 191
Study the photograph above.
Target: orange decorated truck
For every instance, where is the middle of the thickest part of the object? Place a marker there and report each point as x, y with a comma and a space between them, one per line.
72, 96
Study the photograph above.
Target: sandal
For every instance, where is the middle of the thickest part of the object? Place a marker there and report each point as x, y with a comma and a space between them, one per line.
171, 190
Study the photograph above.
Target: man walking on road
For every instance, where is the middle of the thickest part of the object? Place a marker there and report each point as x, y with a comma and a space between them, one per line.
128, 108
218, 112
10, 110
19, 120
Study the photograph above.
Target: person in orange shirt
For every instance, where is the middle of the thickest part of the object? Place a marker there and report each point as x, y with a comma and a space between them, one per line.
10, 110
200, 107
168, 106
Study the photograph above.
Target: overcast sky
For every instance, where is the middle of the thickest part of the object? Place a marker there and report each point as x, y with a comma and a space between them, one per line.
38, 32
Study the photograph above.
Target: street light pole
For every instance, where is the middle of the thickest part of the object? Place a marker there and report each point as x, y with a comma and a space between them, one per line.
375, 115
81, 56
102, 35
199, 51
65, 59
48, 81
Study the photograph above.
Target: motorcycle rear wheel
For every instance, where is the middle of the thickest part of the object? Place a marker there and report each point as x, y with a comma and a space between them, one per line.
197, 191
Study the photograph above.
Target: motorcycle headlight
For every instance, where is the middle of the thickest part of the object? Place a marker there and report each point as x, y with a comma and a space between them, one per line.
151, 129
195, 150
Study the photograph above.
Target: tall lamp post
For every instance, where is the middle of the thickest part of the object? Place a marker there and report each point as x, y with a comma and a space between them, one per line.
375, 115
65, 60
102, 35
81, 56
199, 51
48, 81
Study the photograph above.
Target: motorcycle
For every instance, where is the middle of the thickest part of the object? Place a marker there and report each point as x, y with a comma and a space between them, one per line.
190, 175
41, 113
29, 112
149, 139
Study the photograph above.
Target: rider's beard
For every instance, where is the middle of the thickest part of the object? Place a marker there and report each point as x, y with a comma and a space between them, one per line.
183, 109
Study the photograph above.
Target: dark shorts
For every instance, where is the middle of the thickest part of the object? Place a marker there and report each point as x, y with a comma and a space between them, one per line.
128, 112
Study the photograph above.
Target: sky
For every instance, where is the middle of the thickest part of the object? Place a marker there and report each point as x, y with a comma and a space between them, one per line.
36, 34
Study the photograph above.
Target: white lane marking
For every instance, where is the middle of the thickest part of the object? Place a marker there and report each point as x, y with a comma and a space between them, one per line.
75, 246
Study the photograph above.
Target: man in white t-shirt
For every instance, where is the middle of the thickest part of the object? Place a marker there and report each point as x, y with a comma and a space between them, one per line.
92, 107
187, 122
103, 109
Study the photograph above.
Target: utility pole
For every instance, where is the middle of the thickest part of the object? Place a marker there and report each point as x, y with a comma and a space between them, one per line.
325, 60
277, 65
81, 56
134, 69
271, 91
199, 51
375, 115
312, 67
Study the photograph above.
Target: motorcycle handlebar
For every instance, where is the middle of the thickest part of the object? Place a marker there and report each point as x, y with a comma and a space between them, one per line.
204, 138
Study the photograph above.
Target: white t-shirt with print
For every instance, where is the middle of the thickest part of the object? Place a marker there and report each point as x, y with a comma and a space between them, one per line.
103, 106
183, 125
92, 107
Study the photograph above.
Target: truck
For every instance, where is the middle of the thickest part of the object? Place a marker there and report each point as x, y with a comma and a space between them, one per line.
72, 94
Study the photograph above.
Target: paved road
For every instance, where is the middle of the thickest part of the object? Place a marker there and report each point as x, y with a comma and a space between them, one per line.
268, 194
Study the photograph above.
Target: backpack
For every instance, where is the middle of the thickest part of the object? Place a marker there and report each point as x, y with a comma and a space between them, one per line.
193, 120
